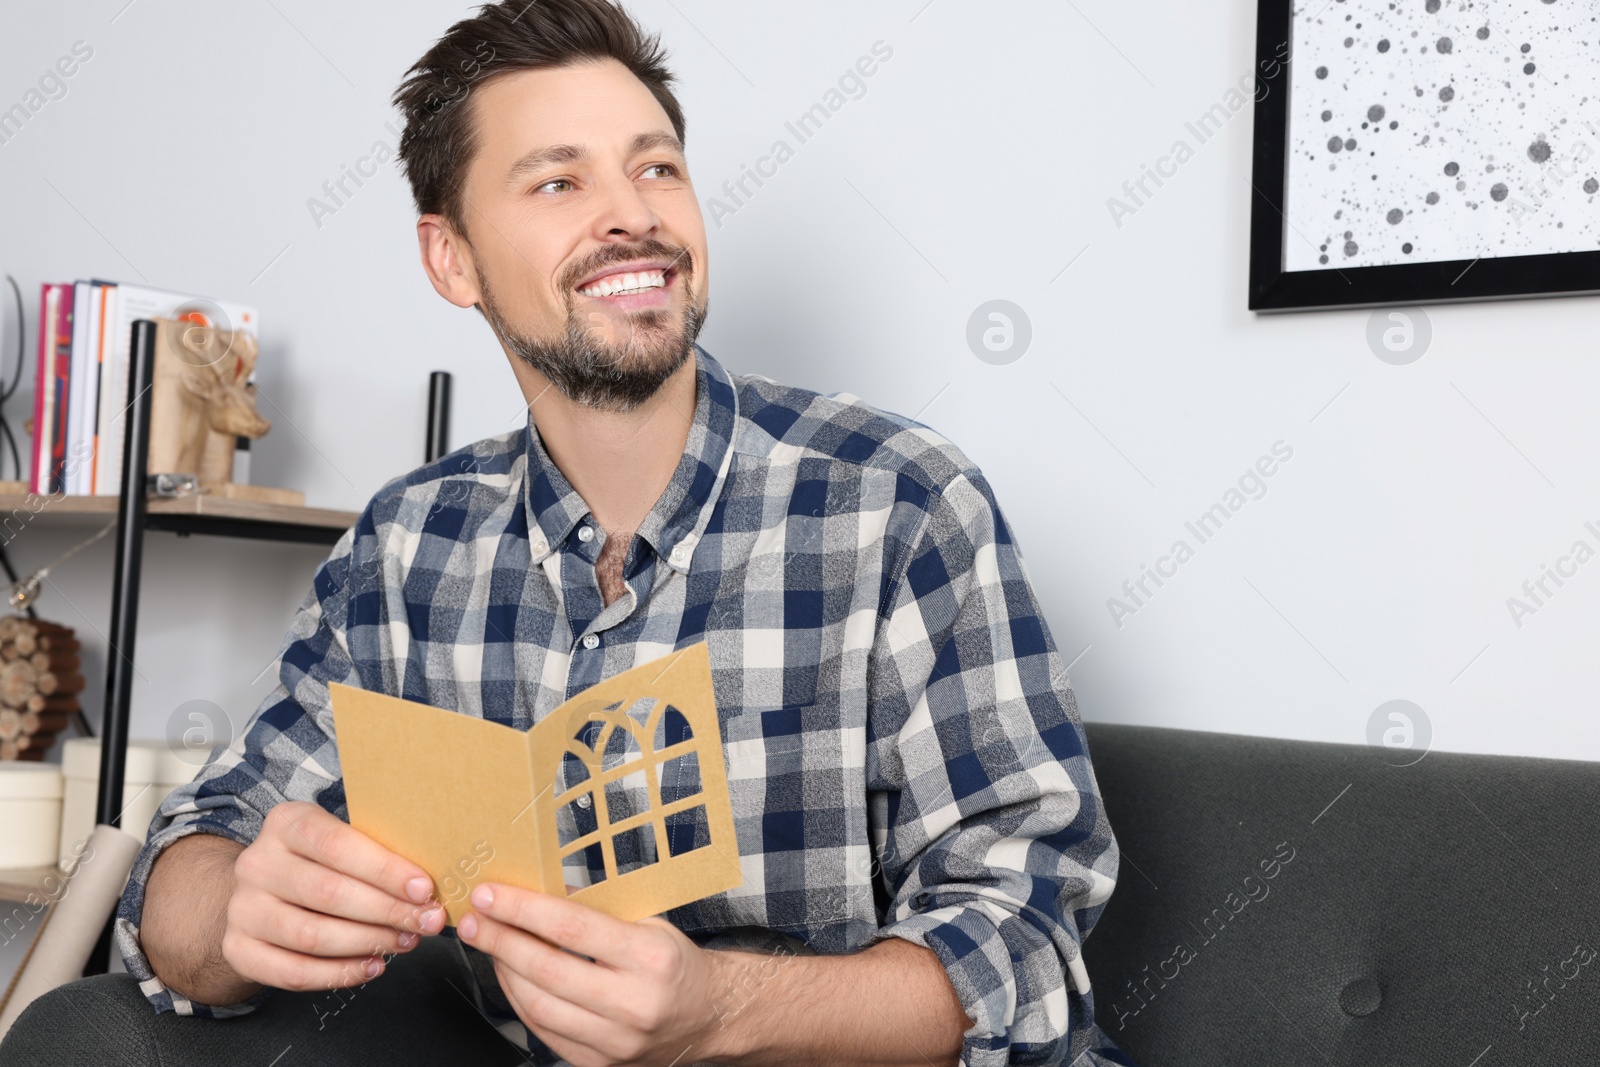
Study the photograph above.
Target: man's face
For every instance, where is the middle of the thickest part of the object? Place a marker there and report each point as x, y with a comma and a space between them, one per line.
586, 241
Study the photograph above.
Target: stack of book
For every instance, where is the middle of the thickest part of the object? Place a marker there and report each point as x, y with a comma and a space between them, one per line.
81, 384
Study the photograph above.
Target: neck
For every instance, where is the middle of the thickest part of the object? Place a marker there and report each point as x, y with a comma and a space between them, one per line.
618, 461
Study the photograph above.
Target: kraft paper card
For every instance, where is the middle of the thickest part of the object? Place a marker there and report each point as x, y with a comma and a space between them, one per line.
629, 772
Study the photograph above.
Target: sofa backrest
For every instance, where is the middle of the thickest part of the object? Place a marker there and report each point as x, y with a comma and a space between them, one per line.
1289, 902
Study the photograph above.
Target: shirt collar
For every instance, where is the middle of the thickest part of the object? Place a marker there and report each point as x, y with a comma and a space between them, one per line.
674, 525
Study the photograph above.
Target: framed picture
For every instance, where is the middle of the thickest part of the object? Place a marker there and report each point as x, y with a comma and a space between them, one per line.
1420, 151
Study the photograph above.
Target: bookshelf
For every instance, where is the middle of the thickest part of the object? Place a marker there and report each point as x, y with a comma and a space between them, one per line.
135, 513
215, 516
29, 885
196, 514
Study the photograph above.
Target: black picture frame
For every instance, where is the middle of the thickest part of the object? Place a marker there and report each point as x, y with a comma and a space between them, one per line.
1272, 289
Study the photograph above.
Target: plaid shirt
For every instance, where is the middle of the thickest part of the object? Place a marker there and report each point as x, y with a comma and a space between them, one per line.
904, 754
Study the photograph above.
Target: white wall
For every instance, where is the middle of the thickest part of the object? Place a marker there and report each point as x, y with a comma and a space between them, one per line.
977, 166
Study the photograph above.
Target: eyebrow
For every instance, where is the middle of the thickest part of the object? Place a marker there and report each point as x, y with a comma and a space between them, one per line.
561, 154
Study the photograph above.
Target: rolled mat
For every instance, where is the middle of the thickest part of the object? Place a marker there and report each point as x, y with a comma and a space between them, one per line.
78, 912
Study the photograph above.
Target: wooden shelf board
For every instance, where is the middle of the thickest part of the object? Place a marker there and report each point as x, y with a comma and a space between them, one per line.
20, 884
28, 509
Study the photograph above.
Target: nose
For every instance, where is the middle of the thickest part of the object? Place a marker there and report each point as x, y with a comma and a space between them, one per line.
623, 213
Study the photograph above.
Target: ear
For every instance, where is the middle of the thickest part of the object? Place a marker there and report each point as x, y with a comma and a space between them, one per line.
447, 260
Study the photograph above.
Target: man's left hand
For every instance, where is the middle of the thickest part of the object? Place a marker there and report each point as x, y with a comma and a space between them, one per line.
646, 995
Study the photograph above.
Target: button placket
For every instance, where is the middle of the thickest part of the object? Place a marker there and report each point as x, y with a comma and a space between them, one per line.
683, 551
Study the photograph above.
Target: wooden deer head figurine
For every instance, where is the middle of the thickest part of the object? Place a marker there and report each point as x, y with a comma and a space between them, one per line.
200, 398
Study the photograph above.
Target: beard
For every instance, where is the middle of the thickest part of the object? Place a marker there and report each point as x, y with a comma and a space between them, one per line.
607, 359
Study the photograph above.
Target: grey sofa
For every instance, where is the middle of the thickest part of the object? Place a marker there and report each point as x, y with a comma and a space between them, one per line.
1281, 903
1291, 903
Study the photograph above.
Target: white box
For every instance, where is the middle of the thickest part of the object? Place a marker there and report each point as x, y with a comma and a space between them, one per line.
30, 811
153, 770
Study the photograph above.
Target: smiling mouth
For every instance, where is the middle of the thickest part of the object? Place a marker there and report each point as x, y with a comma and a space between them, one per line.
629, 282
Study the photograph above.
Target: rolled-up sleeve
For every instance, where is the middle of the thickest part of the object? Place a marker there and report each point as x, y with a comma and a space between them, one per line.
995, 850
285, 752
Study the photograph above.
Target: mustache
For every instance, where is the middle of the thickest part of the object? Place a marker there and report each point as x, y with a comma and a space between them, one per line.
614, 254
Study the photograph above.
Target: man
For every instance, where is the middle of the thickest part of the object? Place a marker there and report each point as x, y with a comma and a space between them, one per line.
922, 839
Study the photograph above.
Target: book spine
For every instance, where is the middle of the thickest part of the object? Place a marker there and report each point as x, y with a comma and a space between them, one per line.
116, 378
97, 373
60, 390
82, 330
111, 399
41, 387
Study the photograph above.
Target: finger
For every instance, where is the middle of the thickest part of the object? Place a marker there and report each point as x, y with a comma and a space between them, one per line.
278, 967
324, 838
546, 966
309, 933
320, 888
567, 1028
562, 922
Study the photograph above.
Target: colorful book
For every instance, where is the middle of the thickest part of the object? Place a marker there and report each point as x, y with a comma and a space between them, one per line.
41, 389
55, 365
60, 359
71, 471
103, 331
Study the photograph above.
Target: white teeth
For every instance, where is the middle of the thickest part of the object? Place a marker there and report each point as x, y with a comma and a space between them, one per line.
626, 283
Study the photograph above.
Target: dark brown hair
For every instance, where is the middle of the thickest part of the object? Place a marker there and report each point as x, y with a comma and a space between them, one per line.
441, 135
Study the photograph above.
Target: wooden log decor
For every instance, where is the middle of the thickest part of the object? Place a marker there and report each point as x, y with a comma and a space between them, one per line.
56, 664
40, 680
18, 682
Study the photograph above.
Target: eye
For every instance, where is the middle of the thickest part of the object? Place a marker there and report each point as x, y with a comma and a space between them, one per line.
672, 171
558, 181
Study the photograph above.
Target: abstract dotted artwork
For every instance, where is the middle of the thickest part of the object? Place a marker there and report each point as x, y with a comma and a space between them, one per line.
1437, 131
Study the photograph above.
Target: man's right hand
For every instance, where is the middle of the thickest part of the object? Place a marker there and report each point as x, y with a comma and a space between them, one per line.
317, 904
312, 903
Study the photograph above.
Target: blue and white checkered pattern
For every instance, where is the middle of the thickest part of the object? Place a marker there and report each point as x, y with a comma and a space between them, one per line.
904, 753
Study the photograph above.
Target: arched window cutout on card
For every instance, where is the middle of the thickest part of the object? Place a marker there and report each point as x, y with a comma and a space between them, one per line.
629, 773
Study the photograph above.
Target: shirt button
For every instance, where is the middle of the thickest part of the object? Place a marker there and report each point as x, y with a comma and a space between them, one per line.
583, 801
539, 546
586, 534
591, 640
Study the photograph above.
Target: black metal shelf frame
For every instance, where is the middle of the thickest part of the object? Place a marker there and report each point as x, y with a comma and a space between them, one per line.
133, 519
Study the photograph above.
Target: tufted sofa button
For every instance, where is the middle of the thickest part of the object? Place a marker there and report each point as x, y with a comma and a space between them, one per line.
1361, 997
